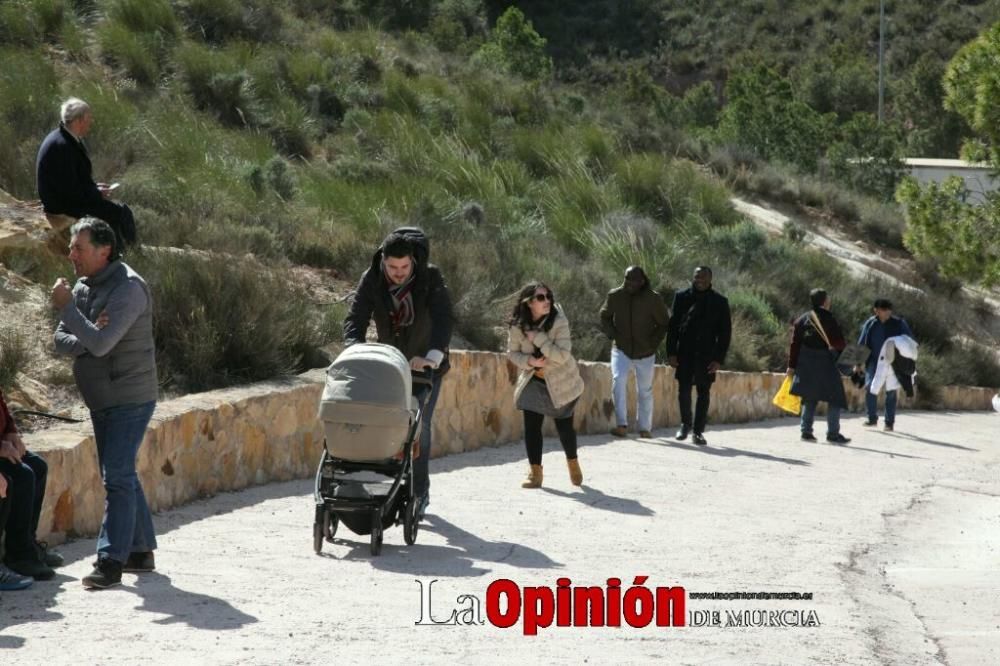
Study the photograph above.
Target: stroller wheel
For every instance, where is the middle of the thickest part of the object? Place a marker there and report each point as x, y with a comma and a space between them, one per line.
376, 533
322, 515
330, 526
411, 522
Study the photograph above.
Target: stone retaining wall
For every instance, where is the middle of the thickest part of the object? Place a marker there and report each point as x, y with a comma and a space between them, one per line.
223, 440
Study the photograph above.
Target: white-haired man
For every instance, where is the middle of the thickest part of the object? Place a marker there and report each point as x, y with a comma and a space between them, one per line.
64, 174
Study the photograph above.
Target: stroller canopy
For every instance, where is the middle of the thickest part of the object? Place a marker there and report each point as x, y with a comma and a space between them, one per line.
366, 407
372, 374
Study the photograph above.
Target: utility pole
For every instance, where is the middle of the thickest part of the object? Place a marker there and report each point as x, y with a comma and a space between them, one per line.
881, 58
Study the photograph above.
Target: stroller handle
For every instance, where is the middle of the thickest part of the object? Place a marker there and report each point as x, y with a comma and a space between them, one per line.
425, 376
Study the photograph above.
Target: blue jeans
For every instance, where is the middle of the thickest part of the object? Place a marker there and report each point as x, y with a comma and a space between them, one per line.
621, 366
871, 401
809, 415
127, 526
428, 396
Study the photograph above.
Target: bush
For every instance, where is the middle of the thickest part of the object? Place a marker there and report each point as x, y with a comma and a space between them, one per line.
218, 322
14, 354
515, 47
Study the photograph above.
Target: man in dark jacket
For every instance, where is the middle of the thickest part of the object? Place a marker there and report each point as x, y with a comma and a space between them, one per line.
64, 174
878, 328
106, 325
410, 303
816, 339
697, 341
635, 318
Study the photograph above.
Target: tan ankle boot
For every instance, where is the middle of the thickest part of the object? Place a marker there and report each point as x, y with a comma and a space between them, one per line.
575, 473
534, 479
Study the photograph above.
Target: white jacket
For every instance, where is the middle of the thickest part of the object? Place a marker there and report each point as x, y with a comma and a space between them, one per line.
902, 344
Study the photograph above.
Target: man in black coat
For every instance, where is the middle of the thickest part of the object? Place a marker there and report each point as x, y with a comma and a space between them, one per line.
411, 305
698, 338
64, 174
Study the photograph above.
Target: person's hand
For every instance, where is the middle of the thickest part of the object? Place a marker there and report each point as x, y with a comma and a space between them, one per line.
672, 361
104, 189
3, 486
790, 372
537, 362
713, 367
419, 363
530, 335
9, 452
61, 294
102, 319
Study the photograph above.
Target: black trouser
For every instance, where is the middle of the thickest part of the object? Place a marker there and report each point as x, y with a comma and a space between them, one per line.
4, 512
25, 493
533, 436
701, 408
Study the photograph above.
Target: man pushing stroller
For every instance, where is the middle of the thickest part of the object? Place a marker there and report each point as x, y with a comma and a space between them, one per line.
407, 297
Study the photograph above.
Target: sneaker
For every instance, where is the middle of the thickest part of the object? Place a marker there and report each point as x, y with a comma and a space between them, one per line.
51, 558
619, 431
139, 562
11, 581
808, 437
31, 567
699, 439
870, 424
645, 434
682, 434
837, 439
106, 573
887, 428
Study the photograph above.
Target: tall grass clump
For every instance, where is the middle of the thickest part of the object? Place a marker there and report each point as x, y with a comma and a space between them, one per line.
218, 322
138, 35
15, 352
29, 96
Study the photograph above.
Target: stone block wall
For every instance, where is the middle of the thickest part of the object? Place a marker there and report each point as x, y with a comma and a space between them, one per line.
201, 444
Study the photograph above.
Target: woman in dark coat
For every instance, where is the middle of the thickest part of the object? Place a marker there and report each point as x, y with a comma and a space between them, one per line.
816, 340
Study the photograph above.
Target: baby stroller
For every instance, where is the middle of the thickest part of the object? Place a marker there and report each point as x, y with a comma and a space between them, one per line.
371, 423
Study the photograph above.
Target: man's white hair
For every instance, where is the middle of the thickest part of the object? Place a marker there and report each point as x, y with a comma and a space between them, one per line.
73, 109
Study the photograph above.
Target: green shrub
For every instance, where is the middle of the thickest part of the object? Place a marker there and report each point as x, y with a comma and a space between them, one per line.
135, 52
219, 322
515, 47
217, 21
28, 111
14, 354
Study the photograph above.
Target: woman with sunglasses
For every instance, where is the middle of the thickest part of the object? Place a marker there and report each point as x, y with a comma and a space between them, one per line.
550, 383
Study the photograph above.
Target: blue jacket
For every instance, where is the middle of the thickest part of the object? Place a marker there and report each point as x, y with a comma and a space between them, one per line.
874, 334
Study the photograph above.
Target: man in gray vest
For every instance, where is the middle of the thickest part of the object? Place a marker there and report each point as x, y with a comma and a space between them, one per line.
106, 324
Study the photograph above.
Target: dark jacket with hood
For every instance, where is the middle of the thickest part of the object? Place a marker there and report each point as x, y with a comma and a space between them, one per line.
636, 322
432, 315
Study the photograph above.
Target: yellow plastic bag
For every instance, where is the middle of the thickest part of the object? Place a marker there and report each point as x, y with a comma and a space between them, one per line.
784, 398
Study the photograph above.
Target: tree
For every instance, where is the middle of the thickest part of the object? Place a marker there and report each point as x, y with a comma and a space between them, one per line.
516, 48
942, 224
762, 114
866, 156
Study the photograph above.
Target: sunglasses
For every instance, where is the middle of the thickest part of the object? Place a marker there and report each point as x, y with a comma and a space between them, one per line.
541, 298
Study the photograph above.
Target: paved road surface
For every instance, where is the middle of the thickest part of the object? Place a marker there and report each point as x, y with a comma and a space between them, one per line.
897, 536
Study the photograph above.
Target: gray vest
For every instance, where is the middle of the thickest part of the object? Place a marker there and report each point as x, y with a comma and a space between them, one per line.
127, 374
